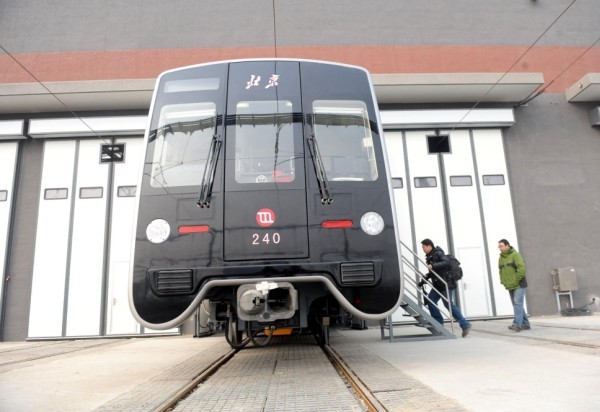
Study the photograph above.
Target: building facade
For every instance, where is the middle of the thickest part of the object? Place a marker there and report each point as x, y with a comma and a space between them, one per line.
491, 112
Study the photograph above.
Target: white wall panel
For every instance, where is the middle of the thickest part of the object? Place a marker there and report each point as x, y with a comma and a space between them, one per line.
52, 236
394, 143
8, 161
467, 231
87, 244
428, 204
395, 148
497, 206
126, 175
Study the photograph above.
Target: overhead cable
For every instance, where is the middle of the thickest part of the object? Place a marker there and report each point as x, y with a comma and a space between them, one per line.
513, 65
68, 109
536, 94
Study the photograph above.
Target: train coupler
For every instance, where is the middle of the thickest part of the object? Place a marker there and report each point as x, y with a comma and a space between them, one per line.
266, 301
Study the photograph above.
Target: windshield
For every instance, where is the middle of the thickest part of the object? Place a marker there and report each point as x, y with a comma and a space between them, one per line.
264, 144
183, 139
343, 134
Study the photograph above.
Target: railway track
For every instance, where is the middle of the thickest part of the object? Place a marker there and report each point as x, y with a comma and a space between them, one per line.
292, 373
357, 396
292, 369
360, 389
170, 403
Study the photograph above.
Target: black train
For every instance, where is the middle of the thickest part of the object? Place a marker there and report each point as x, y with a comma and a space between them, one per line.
265, 190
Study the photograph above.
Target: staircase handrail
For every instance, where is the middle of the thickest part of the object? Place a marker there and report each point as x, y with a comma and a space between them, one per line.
446, 297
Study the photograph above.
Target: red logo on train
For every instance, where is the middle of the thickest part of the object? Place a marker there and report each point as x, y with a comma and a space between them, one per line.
265, 217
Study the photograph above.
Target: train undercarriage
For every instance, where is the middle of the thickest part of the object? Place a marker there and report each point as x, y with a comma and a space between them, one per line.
255, 312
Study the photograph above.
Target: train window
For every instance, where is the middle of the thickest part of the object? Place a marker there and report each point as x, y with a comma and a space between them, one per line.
183, 139
264, 142
191, 85
429, 181
461, 181
493, 180
91, 192
3, 195
54, 194
126, 191
397, 183
343, 134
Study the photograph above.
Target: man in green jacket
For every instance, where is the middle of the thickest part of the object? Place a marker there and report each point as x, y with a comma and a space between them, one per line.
512, 276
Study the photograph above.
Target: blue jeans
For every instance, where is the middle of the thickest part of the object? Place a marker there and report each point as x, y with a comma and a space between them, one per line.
434, 296
517, 297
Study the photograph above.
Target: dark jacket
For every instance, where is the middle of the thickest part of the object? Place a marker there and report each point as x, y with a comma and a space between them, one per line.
440, 265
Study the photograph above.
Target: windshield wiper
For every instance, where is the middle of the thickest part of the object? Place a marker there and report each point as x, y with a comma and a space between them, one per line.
210, 168
317, 160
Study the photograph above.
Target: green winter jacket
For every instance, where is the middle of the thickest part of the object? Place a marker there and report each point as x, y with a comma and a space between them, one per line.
512, 269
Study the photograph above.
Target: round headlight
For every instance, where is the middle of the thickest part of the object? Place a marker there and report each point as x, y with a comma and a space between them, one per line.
371, 223
158, 231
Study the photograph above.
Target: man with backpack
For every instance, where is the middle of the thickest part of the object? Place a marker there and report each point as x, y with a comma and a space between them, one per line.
438, 262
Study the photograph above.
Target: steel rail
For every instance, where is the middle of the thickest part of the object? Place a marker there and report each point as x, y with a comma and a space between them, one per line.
361, 390
170, 403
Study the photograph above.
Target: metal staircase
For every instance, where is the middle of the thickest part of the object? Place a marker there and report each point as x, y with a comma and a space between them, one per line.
395, 327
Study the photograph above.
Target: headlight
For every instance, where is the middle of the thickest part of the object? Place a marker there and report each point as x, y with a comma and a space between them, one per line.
158, 231
371, 223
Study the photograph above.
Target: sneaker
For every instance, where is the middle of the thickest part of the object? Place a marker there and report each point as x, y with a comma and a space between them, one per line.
525, 327
466, 332
515, 328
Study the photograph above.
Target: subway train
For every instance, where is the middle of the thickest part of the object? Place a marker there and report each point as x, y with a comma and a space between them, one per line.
265, 193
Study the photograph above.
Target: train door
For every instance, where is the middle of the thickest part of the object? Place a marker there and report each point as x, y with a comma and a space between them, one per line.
8, 163
265, 213
452, 203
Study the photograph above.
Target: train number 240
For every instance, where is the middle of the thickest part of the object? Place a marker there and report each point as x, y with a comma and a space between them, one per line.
266, 239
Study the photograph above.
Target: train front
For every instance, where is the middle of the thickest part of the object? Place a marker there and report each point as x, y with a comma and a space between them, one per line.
264, 189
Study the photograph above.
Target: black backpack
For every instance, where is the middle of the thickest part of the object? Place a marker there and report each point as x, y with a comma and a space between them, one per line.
455, 272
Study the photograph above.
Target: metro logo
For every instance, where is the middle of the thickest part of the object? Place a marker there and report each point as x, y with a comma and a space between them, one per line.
265, 217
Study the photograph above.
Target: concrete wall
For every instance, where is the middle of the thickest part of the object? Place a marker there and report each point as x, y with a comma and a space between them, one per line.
34, 26
553, 157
